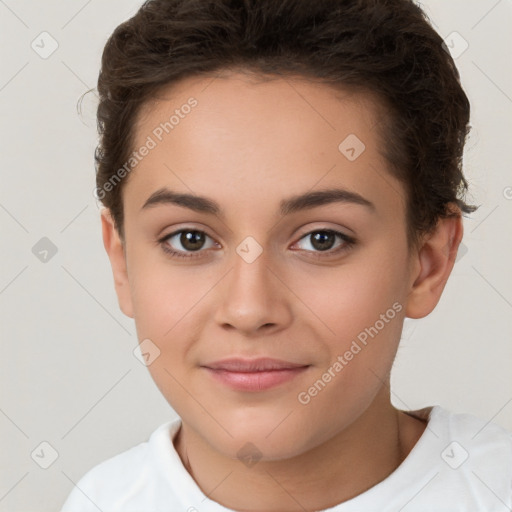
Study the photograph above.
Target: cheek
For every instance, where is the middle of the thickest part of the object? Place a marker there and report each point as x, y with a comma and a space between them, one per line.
344, 301
363, 310
164, 312
359, 312
170, 304
162, 291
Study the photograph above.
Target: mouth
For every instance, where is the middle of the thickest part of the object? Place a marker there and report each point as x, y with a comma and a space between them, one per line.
254, 374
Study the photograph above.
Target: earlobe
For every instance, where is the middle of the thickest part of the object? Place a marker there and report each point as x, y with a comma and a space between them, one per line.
116, 253
435, 259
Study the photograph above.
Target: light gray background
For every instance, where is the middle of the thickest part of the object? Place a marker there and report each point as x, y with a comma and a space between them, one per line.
68, 373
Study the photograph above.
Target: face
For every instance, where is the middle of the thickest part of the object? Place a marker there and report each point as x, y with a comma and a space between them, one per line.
252, 271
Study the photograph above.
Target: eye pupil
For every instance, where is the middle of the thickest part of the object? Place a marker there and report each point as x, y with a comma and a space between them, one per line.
323, 240
192, 240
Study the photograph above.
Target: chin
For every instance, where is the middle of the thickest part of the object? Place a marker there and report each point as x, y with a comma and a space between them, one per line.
252, 449
265, 439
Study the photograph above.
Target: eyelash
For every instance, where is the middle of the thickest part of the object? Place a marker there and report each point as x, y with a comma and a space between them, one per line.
349, 242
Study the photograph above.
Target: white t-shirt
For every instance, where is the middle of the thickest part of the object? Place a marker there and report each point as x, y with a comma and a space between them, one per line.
460, 464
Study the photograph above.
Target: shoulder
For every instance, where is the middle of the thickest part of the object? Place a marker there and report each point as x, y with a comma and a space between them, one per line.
476, 457
478, 432
466, 436
108, 484
461, 462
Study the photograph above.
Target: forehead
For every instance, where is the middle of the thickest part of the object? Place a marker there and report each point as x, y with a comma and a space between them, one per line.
241, 139
260, 105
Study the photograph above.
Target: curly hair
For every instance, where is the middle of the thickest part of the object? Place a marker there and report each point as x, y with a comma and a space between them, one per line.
383, 47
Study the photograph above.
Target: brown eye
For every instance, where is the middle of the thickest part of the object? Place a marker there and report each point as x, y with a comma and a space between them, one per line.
192, 240
324, 240
185, 243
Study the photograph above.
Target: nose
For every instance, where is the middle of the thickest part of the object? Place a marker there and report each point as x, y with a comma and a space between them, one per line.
253, 298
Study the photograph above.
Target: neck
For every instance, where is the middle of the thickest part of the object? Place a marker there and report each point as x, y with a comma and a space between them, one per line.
348, 464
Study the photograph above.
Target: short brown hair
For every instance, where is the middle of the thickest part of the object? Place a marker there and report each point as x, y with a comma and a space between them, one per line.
383, 47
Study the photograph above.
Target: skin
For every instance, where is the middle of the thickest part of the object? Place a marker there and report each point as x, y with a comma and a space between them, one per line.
249, 145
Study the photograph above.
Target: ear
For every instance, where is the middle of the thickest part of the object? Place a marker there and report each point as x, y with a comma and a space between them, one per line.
116, 253
433, 264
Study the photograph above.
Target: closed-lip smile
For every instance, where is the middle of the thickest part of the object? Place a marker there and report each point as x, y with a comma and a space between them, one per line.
254, 374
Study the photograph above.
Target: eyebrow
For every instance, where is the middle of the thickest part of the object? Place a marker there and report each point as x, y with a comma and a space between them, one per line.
287, 206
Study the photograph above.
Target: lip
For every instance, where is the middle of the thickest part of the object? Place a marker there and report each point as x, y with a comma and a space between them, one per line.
239, 364
254, 374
